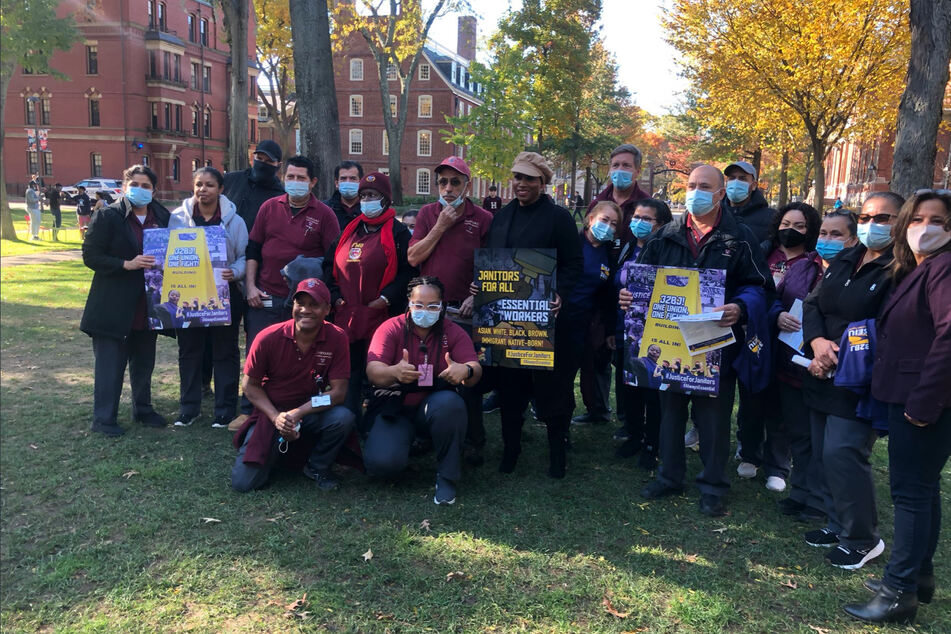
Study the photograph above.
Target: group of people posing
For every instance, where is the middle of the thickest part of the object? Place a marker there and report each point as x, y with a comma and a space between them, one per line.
359, 338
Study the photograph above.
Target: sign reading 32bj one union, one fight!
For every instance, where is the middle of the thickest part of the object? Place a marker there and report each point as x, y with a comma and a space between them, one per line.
512, 323
671, 340
185, 289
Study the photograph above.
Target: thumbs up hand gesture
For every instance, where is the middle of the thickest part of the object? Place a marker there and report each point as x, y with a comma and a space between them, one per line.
455, 373
404, 371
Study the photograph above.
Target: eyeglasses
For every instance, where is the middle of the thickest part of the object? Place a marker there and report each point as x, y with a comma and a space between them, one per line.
879, 219
839, 212
940, 192
646, 218
442, 182
429, 308
371, 195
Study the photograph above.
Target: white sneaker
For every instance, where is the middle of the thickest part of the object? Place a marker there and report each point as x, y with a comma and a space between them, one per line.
692, 439
746, 470
775, 483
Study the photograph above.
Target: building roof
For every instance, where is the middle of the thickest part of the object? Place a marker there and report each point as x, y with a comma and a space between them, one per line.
452, 69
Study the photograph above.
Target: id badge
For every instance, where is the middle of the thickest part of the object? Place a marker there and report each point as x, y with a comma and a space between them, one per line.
425, 375
320, 400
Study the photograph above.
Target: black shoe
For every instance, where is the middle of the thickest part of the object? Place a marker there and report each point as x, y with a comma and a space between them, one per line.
325, 479
490, 403
854, 558
821, 538
647, 461
887, 606
622, 434
509, 458
789, 506
473, 456
107, 430
811, 514
184, 420
925, 587
628, 450
152, 419
712, 505
590, 419
221, 422
656, 489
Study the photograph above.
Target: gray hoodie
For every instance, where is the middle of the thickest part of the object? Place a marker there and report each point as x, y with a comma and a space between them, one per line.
234, 226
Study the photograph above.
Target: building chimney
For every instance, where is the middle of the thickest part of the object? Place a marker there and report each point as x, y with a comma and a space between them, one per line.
466, 38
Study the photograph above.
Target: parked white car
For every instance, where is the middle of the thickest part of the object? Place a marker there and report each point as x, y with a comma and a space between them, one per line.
93, 185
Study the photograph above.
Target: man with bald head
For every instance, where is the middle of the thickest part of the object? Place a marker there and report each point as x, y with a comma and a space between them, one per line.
706, 238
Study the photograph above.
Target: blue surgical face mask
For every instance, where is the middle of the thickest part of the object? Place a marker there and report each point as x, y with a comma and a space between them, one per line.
371, 208
622, 179
699, 202
138, 196
296, 189
641, 228
425, 318
348, 189
828, 249
602, 232
455, 203
737, 190
875, 236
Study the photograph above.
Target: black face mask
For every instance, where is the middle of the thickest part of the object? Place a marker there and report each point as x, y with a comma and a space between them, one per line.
261, 171
790, 238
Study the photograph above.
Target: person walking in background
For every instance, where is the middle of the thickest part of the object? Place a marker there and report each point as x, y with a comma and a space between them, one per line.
34, 208
493, 202
54, 195
84, 210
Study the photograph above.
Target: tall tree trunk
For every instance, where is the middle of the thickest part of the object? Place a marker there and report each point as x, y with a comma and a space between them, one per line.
236, 22
784, 179
574, 174
818, 160
587, 183
756, 158
919, 113
7, 230
316, 94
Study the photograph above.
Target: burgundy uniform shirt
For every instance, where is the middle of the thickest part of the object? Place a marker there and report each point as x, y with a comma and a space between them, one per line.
283, 237
453, 258
360, 263
389, 340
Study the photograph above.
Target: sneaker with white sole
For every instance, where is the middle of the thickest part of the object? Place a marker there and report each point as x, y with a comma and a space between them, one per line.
746, 470
220, 423
692, 439
821, 538
775, 483
445, 491
853, 559
185, 421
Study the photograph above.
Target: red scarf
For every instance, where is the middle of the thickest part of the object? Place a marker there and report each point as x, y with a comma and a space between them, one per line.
386, 238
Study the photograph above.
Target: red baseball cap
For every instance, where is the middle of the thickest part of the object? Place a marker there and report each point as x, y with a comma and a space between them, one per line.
315, 288
455, 163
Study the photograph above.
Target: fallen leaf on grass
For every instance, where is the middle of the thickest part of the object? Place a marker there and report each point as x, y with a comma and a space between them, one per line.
32, 446
368, 555
791, 584
383, 617
211, 520
722, 529
610, 609
692, 558
819, 630
425, 525
129, 474
296, 604
456, 574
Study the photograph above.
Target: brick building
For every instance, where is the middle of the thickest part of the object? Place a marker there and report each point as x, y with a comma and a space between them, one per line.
147, 83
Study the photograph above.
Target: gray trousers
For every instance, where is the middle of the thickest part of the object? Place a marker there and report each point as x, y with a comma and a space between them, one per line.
112, 355
843, 476
442, 415
712, 418
332, 427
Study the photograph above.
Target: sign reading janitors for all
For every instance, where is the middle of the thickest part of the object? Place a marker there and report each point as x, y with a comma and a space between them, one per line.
512, 323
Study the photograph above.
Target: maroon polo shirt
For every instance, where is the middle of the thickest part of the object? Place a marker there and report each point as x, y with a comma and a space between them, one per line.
288, 375
453, 258
390, 339
139, 321
284, 236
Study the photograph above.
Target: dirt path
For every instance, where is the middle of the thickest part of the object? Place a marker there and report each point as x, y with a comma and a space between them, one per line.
45, 257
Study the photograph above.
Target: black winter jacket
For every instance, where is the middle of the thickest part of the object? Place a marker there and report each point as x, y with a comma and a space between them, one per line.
248, 195
114, 292
755, 214
343, 218
842, 296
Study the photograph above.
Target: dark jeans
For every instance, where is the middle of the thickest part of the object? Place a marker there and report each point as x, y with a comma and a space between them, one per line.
596, 378
225, 363
796, 419
358, 381
112, 355
441, 416
916, 456
712, 416
642, 416
256, 320
841, 448
57, 217
756, 416
475, 430
331, 427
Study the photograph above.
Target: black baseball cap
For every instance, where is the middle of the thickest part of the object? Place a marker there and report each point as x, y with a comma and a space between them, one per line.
272, 149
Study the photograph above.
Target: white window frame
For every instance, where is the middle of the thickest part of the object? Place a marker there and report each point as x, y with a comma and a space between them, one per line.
424, 175
394, 106
356, 100
356, 69
386, 143
419, 141
355, 136
424, 72
392, 73
419, 106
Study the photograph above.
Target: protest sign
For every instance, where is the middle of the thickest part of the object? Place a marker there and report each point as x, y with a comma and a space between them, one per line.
185, 289
512, 324
655, 353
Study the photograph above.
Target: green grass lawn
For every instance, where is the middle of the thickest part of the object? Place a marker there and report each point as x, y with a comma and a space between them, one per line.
143, 534
69, 237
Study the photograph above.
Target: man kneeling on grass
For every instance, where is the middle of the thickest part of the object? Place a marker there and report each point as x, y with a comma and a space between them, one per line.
296, 377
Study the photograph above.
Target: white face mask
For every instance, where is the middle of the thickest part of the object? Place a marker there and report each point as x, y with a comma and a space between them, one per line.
926, 239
